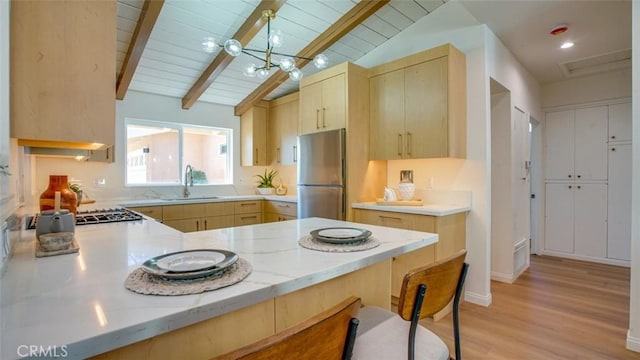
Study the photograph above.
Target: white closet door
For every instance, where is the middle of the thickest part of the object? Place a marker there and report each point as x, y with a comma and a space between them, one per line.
559, 145
590, 223
558, 227
620, 122
591, 143
619, 218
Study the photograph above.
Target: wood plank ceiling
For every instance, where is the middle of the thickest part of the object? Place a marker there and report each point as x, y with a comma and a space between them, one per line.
173, 60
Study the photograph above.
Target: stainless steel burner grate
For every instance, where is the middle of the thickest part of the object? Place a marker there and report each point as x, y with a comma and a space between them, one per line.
95, 217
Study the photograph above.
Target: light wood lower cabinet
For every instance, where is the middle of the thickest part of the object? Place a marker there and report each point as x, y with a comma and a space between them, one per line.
150, 211
279, 211
205, 216
451, 230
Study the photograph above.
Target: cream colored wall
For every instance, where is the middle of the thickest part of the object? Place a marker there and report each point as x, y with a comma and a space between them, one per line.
633, 337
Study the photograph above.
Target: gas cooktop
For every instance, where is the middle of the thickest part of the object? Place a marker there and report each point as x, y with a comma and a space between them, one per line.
98, 216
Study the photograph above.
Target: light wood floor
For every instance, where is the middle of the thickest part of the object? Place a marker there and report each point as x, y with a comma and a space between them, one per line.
558, 309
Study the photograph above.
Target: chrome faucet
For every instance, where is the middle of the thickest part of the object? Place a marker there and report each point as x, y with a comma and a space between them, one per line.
188, 180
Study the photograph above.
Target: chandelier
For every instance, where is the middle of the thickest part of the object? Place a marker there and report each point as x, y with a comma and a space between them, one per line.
274, 39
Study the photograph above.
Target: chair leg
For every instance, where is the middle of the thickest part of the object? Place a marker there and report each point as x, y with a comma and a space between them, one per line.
351, 339
415, 317
456, 303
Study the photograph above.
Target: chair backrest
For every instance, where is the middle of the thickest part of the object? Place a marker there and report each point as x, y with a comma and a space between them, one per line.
441, 279
328, 335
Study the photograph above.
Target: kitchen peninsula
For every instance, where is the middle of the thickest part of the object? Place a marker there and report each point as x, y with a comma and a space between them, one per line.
78, 304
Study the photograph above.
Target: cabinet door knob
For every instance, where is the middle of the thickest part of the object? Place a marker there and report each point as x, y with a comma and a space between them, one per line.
579, 187
570, 186
579, 176
613, 136
613, 149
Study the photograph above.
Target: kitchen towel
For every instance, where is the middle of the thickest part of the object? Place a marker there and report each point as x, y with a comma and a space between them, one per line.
142, 282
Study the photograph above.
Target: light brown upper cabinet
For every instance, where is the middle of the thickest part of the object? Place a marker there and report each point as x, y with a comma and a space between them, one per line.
283, 129
323, 101
418, 106
63, 75
253, 135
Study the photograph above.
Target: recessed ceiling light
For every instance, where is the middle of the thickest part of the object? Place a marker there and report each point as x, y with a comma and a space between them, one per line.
566, 45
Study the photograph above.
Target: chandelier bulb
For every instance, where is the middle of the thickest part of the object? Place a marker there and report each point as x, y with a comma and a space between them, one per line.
209, 44
320, 61
287, 64
276, 38
250, 70
233, 47
295, 75
262, 74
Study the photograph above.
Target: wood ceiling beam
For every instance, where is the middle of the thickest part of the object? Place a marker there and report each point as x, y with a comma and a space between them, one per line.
335, 32
247, 31
146, 21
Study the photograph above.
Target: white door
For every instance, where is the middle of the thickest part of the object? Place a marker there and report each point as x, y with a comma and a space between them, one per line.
590, 220
559, 145
619, 204
558, 235
591, 143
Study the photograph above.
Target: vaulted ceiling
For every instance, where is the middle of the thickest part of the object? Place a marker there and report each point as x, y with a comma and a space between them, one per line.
161, 50
166, 57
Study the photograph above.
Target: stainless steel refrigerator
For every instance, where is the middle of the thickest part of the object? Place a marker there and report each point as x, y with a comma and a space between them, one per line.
321, 175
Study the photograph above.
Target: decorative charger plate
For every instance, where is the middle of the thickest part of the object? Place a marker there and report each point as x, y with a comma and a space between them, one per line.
340, 235
190, 264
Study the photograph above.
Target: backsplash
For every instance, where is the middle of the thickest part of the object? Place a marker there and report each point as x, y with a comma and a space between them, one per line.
101, 181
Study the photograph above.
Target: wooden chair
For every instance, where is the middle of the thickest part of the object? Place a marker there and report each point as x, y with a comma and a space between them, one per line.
328, 335
425, 291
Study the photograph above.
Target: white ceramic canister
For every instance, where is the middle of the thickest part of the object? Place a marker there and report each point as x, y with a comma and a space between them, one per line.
406, 188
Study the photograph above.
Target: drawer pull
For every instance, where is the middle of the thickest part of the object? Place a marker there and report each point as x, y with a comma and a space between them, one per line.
285, 206
248, 217
390, 217
247, 204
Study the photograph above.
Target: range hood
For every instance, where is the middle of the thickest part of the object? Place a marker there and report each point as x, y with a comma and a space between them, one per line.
105, 155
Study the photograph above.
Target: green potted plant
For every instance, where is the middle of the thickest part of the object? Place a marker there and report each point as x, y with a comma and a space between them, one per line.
265, 182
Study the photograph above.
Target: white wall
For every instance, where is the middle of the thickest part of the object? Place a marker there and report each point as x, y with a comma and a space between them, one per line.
486, 58
633, 337
146, 106
597, 87
451, 23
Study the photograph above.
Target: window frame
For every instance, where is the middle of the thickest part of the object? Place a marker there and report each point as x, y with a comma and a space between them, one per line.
181, 164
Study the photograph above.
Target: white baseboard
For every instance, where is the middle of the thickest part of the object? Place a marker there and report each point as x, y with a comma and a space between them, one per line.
502, 277
483, 300
587, 258
507, 278
633, 343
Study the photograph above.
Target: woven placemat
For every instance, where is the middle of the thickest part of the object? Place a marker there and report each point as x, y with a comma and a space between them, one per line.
142, 282
309, 242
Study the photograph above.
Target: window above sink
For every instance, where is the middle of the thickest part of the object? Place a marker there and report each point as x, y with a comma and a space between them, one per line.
157, 152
